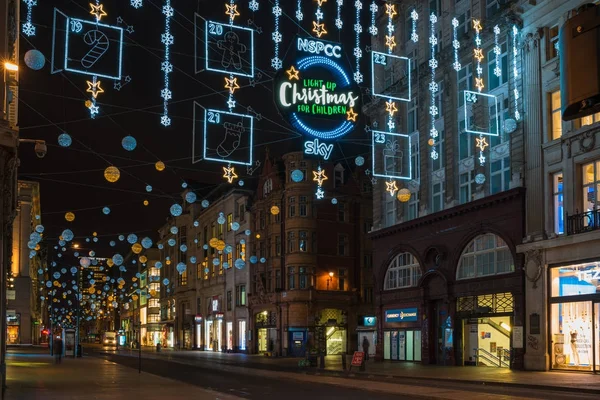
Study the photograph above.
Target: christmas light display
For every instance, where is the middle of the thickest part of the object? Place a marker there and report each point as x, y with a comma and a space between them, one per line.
318, 26
358, 76
497, 51
253, 5
455, 45
373, 30
433, 88
167, 40
319, 177
299, 13
338, 19
136, 3
414, 16
276, 62
515, 33
28, 28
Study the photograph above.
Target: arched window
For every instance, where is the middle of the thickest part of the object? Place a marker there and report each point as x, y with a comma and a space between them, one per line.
404, 271
267, 187
486, 255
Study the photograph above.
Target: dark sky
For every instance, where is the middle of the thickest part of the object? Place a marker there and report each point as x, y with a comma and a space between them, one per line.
72, 178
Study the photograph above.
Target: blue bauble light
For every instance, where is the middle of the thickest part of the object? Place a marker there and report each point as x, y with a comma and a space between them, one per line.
117, 259
191, 197
359, 161
196, 224
297, 175
48, 284
63, 270
205, 247
183, 248
216, 261
181, 267
35, 60
146, 242
193, 259
39, 228
166, 281
263, 260
64, 140
158, 265
56, 275
176, 210
172, 242
112, 243
132, 238
160, 246
225, 265
239, 263
253, 259
242, 241
334, 201
67, 235
228, 249
184, 185
248, 232
221, 220
31, 244
148, 188
122, 268
205, 203
235, 226
241, 183
85, 262
174, 230
129, 143
106, 210
121, 238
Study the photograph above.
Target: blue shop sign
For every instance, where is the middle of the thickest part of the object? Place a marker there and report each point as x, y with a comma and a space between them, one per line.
370, 321
402, 315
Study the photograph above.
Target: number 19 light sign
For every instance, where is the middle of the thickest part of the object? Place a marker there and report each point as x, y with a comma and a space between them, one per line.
317, 95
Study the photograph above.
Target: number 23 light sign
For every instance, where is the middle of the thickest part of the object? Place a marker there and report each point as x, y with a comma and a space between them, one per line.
317, 95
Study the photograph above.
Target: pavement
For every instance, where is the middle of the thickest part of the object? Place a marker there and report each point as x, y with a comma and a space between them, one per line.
400, 372
33, 374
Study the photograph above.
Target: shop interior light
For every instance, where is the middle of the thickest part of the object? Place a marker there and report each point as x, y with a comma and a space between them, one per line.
330, 330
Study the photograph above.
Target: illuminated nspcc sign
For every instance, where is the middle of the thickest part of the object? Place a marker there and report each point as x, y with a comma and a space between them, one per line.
317, 95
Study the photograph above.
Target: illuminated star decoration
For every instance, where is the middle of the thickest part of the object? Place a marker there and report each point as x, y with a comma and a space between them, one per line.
319, 176
478, 54
481, 143
229, 174
231, 84
320, 193
390, 107
390, 10
232, 11
293, 73
479, 84
94, 88
391, 188
477, 25
320, 2
97, 11
319, 29
390, 42
351, 115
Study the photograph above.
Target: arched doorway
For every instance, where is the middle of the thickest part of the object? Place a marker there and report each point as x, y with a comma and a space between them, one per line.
437, 348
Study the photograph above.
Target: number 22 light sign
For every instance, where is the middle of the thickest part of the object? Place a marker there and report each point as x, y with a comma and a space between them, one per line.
317, 96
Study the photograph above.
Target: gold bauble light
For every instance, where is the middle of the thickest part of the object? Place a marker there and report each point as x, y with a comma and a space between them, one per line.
213, 242
153, 293
160, 166
112, 174
92, 290
143, 259
146, 202
220, 245
134, 279
136, 248
431, 142
95, 234
70, 216
274, 210
403, 195
168, 262
134, 297
110, 262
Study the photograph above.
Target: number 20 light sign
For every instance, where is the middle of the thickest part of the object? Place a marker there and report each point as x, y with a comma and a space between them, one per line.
317, 95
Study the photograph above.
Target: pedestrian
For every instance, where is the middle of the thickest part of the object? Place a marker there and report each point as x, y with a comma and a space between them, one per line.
58, 349
365, 346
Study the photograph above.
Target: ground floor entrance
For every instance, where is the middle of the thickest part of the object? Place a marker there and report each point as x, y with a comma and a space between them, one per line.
486, 341
336, 340
213, 335
402, 345
371, 337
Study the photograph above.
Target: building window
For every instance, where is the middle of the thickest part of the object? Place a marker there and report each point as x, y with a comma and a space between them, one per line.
486, 255
466, 187
303, 241
278, 279
267, 187
390, 212
556, 115
290, 241
589, 120
342, 244
413, 206
497, 81
313, 245
404, 271
491, 8
229, 300
261, 249
302, 206
220, 230
261, 219
341, 211
465, 142
437, 197
242, 212
338, 174
229, 221
292, 206
240, 251
229, 260
240, 295
591, 185
559, 207
199, 270
412, 117
464, 23
277, 245
439, 99
500, 175
303, 170
342, 279
303, 278
183, 278
368, 295
552, 50
435, 7
291, 278
242, 334
415, 157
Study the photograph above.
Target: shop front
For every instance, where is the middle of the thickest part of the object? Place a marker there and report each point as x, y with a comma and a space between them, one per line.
574, 315
402, 335
197, 332
266, 331
168, 335
367, 329
213, 332
13, 326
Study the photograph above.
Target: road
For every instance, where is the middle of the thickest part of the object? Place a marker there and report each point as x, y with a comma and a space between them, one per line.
253, 383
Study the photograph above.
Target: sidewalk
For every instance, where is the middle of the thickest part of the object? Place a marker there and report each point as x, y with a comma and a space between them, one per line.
33, 375
398, 371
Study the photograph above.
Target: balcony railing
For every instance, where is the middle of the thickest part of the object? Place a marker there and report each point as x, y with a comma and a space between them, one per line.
584, 222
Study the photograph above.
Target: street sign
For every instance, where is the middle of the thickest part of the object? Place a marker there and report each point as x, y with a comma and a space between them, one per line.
357, 358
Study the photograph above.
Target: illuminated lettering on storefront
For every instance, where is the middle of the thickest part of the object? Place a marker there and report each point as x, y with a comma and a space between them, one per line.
317, 95
589, 276
402, 315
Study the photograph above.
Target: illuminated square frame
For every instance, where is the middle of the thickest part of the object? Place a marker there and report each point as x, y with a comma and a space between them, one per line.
94, 24
489, 96
205, 129
228, 26
374, 55
373, 160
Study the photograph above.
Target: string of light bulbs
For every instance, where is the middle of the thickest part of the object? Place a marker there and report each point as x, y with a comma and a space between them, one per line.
299, 13
515, 33
433, 88
478, 54
28, 28
455, 45
319, 25
253, 5
497, 51
414, 16
136, 3
338, 19
358, 76
167, 39
95, 86
277, 37
390, 105
373, 28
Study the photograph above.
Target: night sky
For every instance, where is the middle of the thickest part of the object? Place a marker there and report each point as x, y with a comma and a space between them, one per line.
72, 178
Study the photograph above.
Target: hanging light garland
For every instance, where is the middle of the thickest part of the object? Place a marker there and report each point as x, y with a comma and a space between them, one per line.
319, 177
338, 19
515, 33
231, 82
433, 88
253, 5
414, 16
358, 76
136, 3
455, 45
390, 105
167, 40
299, 13
95, 86
28, 28
478, 54
373, 28
318, 25
497, 51
277, 37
